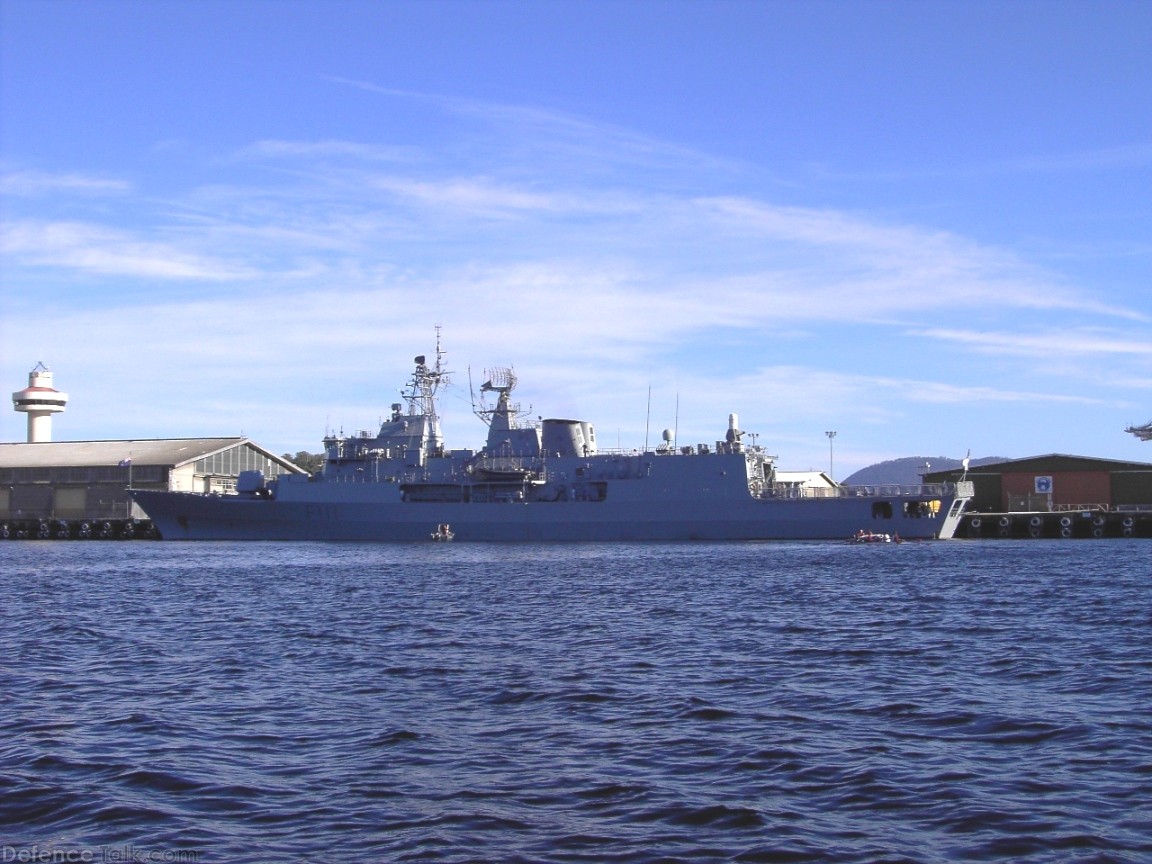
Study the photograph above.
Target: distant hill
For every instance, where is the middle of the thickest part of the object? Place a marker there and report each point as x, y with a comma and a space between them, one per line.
907, 471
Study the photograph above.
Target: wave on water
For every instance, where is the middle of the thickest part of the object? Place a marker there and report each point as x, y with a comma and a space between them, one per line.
791, 702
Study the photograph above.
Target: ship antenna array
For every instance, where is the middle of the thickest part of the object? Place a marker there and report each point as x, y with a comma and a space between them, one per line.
501, 381
1144, 433
426, 380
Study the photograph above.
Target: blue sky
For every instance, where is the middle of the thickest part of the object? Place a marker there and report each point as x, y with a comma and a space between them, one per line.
927, 226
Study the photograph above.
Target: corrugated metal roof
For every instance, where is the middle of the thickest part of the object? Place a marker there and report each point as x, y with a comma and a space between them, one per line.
1066, 462
168, 452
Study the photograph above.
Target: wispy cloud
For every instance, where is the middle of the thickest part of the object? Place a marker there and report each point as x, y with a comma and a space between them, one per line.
34, 183
474, 196
1121, 157
856, 391
609, 246
593, 259
574, 145
1066, 342
867, 269
108, 251
331, 148
1103, 158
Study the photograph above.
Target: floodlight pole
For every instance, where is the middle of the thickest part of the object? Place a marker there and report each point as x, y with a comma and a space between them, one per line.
831, 475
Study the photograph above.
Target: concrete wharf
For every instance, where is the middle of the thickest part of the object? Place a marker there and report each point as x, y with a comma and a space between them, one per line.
78, 529
1094, 522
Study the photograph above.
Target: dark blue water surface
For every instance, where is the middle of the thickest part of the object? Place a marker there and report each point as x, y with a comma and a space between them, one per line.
963, 701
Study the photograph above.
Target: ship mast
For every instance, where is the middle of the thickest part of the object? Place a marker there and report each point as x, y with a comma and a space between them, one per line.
426, 380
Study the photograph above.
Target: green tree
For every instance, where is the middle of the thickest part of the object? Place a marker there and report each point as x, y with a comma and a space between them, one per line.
310, 462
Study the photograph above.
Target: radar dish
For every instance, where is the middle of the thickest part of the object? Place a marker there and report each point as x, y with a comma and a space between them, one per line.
500, 380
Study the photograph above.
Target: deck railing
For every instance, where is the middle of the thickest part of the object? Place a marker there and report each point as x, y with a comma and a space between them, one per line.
918, 490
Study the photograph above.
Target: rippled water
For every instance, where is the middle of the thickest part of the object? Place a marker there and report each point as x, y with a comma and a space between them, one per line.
979, 701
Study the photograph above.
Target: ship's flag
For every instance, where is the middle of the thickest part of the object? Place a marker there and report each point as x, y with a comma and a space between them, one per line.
124, 463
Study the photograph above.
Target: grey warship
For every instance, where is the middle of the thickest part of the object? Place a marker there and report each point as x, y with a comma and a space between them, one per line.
546, 481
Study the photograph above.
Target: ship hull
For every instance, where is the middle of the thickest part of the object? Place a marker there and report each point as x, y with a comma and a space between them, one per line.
191, 516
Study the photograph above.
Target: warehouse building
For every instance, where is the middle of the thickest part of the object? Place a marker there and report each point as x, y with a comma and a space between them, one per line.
76, 480
1057, 483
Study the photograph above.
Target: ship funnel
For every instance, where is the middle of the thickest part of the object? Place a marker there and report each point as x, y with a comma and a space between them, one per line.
568, 438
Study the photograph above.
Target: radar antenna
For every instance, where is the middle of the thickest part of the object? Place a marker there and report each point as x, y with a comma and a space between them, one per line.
501, 381
1144, 433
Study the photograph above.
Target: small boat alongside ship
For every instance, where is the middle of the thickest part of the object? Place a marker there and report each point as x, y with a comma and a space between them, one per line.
863, 536
546, 481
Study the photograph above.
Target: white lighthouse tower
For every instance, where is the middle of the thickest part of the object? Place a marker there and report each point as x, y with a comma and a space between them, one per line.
39, 401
